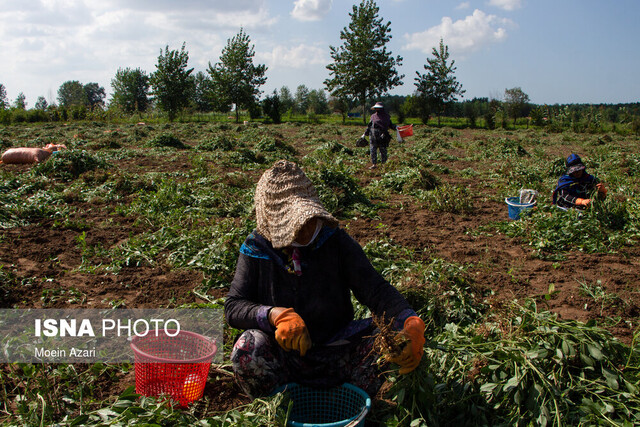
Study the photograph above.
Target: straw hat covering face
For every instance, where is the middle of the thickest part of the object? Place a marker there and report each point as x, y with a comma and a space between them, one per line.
285, 200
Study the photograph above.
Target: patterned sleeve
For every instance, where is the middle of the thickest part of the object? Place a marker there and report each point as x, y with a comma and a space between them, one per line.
564, 198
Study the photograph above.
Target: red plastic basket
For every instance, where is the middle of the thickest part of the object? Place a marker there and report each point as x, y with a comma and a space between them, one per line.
406, 130
177, 366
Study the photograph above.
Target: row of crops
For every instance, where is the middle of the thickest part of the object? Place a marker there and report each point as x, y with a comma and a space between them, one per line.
187, 189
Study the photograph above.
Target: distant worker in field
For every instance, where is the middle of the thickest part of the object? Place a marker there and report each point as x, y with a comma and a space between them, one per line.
378, 133
576, 186
292, 295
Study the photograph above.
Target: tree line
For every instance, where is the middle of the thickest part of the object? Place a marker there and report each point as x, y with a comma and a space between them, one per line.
363, 71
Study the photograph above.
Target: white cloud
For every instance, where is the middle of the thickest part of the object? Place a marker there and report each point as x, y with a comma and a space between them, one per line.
463, 5
301, 56
506, 4
311, 10
44, 43
462, 36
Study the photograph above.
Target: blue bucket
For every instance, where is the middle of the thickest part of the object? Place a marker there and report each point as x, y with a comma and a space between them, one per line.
333, 407
515, 207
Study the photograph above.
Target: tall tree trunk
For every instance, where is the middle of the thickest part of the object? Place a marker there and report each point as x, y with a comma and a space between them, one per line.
364, 113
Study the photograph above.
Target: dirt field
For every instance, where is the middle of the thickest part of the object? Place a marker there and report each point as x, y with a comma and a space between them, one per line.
44, 258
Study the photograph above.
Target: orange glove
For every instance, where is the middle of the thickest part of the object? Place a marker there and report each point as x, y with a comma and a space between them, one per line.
583, 202
410, 357
602, 190
291, 332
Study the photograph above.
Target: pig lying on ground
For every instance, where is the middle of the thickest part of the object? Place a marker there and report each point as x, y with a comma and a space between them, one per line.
25, 155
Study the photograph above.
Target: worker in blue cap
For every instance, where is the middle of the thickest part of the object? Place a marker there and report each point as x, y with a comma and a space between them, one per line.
576, 187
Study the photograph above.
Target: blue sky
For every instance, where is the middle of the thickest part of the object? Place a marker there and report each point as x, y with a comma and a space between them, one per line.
557, 51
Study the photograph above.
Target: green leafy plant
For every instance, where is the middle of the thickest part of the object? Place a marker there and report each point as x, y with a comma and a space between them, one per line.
520, 368
340, 193
67, 165
599, 294
447, 198
166, 140
550, 230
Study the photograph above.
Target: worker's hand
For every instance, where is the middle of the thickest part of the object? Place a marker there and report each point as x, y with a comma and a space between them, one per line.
583, 202
410, 357
602, 190
291, 331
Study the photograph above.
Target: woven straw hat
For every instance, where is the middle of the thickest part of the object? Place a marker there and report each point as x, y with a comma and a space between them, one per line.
285, 200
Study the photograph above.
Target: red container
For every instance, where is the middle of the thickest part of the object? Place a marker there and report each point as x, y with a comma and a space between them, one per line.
406, 130
177, 366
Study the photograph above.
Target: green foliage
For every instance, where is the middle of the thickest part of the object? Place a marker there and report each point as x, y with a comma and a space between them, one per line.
67, 165
95, 95
216, 143
438, 86
4, 102
171, 81
522, 367
71, 93
43, 394
447, 198
274, 145
130, 90
195, 219
606, 226
235, 79
362, 68
131, 409
407, 180
272, 108
340, 193
515, 101
9, 288
166, 140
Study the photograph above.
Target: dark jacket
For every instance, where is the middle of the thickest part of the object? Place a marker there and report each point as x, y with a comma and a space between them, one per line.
332, 267
378, 128
570, 188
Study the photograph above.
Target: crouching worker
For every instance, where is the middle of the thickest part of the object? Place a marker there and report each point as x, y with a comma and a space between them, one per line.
292, 295
575, 188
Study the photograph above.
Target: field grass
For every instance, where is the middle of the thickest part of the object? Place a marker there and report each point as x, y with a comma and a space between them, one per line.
530, 322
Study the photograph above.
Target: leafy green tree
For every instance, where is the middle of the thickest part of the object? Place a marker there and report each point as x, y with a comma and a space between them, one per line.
71, 93
3, 97
20, 102
130, 90
475, 108
271, 107
171, 82
202, 92
341, 105
95, 95
301, 99
492, 112
438, 86
317, 102
235, 79
416, 106
515, 101
286, 99
537, 116
362, 67
41, 103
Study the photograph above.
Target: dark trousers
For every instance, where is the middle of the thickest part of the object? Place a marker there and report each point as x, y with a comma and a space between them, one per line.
261, 365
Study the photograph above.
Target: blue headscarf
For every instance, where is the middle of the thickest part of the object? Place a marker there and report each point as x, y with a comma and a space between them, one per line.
574, 164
